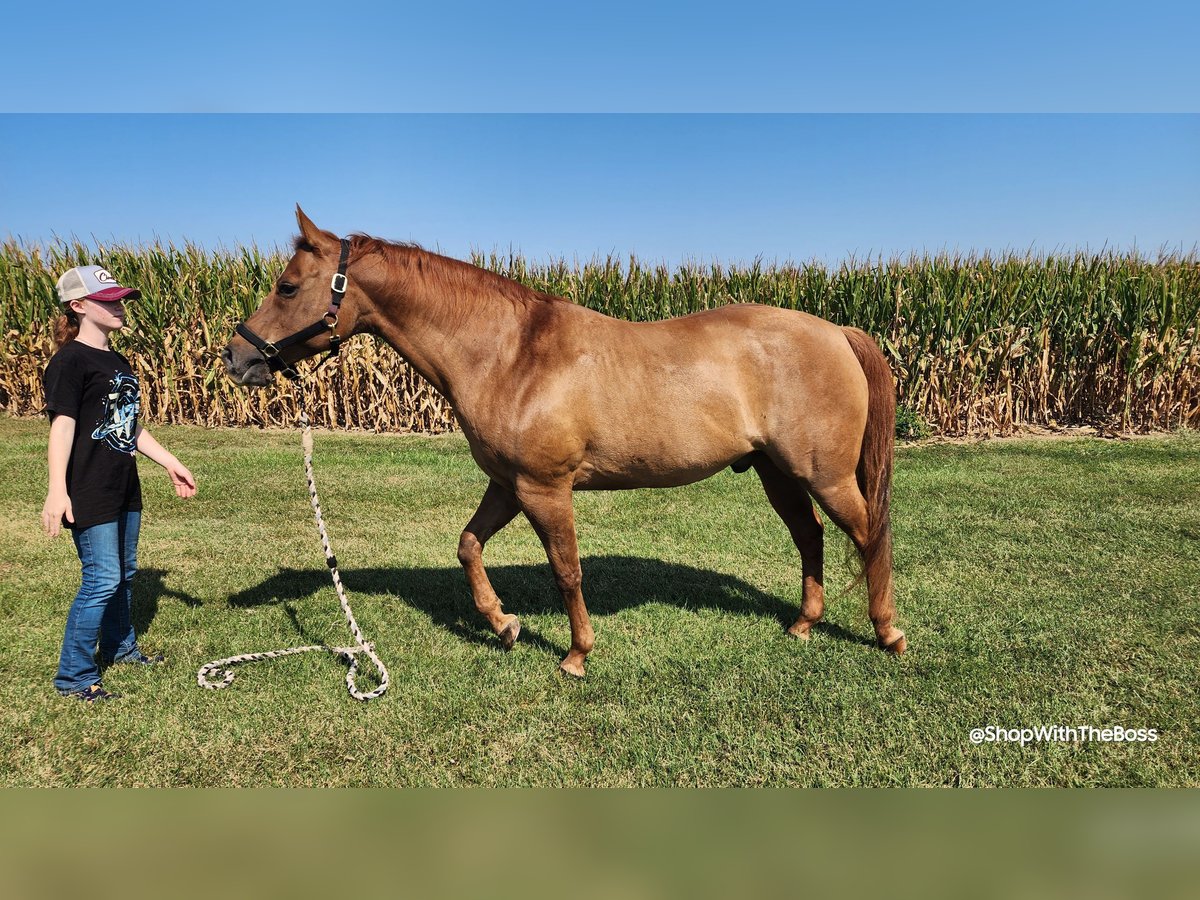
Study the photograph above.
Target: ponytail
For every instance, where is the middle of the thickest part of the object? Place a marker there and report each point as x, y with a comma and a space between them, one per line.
66, 327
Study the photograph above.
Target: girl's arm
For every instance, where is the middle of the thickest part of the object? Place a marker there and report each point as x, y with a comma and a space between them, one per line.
185, 484
58, 504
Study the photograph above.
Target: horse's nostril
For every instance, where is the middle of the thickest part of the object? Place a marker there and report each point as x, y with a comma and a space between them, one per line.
227, 356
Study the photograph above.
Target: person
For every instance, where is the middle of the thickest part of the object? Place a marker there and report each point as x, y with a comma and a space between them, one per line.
92, 398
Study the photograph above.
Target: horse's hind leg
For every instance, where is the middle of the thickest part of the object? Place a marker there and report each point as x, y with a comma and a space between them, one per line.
791, 501
549, 509
846, 506
497, 508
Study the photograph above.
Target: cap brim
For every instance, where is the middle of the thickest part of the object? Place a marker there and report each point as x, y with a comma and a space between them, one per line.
108, 295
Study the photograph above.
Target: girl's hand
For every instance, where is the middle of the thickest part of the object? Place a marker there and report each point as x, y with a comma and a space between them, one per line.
185, 483
55, 507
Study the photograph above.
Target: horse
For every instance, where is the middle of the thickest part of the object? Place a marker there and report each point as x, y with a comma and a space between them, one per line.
555, 398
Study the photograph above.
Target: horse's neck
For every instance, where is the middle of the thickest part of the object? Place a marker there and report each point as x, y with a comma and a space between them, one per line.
449, 335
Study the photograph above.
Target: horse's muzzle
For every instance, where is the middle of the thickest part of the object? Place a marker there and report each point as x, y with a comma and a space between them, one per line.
248, 368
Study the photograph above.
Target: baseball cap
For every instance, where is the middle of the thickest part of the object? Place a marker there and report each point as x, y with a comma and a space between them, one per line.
92, 283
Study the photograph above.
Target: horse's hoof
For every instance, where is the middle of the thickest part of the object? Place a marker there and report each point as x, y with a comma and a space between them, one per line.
574, 669
898, 645
800, 631
508, 636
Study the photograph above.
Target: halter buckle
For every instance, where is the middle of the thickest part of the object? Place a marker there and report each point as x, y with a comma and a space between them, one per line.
338, 283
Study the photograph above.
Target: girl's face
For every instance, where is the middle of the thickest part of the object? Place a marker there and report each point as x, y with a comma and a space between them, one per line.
107, 316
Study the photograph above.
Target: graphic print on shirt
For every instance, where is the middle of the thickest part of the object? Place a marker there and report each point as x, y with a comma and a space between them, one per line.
118, 420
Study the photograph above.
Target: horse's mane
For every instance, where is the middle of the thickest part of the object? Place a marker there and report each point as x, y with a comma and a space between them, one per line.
409, 260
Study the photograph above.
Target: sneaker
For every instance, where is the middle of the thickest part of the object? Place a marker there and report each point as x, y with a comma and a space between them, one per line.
141, 659
92, 694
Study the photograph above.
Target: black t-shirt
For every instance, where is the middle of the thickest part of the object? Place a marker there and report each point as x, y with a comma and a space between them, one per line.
98, 390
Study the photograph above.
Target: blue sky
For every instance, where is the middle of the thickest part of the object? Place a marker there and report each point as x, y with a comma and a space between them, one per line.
615, 56
665, 187
701, 131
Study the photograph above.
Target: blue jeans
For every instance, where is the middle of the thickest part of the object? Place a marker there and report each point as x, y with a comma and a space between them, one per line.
101, 611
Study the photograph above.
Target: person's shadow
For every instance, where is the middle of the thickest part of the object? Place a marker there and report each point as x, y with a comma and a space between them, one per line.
610, 584
148, 587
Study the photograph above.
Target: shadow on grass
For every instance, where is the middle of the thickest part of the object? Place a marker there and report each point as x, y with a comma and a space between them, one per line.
611, 584
148, 587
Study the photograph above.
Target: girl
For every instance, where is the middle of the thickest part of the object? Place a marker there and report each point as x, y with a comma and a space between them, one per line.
92, 400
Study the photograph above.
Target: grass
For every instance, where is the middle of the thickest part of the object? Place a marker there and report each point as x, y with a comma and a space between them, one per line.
1040, 583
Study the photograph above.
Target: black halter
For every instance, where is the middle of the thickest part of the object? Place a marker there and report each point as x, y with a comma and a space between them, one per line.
328, 322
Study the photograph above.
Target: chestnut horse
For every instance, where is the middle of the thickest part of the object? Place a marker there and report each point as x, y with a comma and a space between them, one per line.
554, 398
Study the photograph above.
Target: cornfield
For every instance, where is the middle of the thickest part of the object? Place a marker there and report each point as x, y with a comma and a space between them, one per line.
980, 345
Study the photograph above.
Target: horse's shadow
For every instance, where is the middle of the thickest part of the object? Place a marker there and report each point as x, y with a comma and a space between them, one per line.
148, 587
610, 583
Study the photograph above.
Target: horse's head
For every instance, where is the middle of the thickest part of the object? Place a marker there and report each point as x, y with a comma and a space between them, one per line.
304, 315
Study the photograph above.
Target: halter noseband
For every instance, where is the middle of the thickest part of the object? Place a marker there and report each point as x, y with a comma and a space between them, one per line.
328, 322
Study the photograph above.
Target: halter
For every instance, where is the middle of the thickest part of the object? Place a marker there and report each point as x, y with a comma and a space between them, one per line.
328, 322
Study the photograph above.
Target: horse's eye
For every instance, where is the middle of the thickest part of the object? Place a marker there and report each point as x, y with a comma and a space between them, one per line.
286, 289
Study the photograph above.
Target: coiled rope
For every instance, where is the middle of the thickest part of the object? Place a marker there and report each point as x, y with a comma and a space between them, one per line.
220, 669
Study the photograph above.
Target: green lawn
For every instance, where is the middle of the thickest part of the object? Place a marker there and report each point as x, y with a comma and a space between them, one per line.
1047, 582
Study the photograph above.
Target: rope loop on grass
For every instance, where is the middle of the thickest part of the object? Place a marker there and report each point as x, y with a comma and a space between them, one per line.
221, 670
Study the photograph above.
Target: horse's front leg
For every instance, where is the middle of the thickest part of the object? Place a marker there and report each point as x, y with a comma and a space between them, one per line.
549, 509
497, 508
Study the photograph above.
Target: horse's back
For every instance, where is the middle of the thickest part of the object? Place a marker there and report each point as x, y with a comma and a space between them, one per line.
674, 401
748, 349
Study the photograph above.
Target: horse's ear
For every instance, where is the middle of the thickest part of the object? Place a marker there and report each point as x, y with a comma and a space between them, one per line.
313, 236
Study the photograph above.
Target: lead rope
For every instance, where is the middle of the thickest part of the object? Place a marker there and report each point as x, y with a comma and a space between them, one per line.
220, 668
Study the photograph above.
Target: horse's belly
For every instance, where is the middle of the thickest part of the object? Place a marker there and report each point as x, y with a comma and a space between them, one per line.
620, 481
683, 432
666, 469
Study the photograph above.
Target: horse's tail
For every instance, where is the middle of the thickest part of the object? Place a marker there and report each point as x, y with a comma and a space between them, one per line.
875, 460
